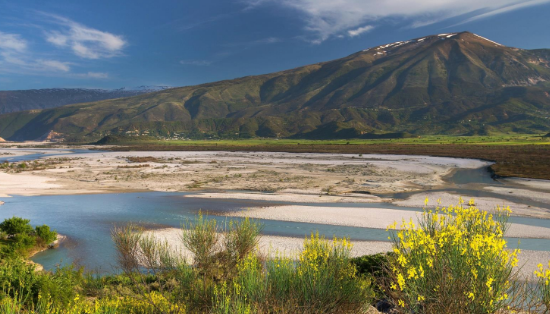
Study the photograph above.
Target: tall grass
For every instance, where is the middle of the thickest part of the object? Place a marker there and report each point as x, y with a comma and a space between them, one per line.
322, 280
228, 276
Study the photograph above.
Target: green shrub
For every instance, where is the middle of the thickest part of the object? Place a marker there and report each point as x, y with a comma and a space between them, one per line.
202, 238
23, 241
240, 240
45, 234
323, 280
21, 238
20, 281
326, 280
16, 225
228, 276
373, 265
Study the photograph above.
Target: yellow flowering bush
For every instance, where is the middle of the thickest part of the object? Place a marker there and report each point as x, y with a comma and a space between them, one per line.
245, 292
322, 280
543, 286
326, 277
455, 260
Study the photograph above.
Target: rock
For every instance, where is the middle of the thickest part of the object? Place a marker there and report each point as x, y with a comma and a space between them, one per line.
384, 306
51, 136
371, 310
2, 140
55, 244
37, 267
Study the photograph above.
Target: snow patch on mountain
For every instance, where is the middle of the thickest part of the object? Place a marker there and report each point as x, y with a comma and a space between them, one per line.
147, 88
488, 40
401, 43
447, 35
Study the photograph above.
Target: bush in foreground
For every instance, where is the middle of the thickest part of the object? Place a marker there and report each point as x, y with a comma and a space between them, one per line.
455, 261
543, 285
227, 275
322, 281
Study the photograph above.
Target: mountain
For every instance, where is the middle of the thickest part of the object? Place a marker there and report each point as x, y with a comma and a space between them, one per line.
458, 83
20, 100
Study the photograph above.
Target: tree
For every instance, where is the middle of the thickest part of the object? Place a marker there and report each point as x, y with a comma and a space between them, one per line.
44, 233
16, 225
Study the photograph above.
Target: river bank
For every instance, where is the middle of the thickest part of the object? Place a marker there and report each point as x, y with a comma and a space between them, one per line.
55, 244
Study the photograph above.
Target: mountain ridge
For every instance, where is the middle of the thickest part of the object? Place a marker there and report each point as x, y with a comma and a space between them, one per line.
457, 83
46, 98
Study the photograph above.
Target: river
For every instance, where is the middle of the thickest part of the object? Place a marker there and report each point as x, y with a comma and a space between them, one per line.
86, 220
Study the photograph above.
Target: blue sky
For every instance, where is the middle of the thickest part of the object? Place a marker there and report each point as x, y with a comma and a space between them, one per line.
113, 44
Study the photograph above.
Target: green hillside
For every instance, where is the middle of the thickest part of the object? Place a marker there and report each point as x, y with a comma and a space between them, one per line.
442, 84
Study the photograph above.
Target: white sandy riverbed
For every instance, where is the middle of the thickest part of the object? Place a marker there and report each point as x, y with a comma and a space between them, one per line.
377, 218
483, 203
268, 245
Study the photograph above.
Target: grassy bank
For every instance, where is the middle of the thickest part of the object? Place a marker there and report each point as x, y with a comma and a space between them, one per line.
514, 155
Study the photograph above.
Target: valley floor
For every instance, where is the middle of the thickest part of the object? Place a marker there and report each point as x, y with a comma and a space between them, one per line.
294, 182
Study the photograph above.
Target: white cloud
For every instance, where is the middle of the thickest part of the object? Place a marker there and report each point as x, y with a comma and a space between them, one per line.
54, 65
15, 57
360, 30
97, 75
12, 42
327, 18
10, 62
269, 40
57, 39
84, 41
504, 9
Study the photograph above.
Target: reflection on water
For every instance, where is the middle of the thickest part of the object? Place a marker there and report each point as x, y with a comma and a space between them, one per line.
469, 176
44, 153
471, 183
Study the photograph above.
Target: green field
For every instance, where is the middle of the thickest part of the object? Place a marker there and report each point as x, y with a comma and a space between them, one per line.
515, 139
